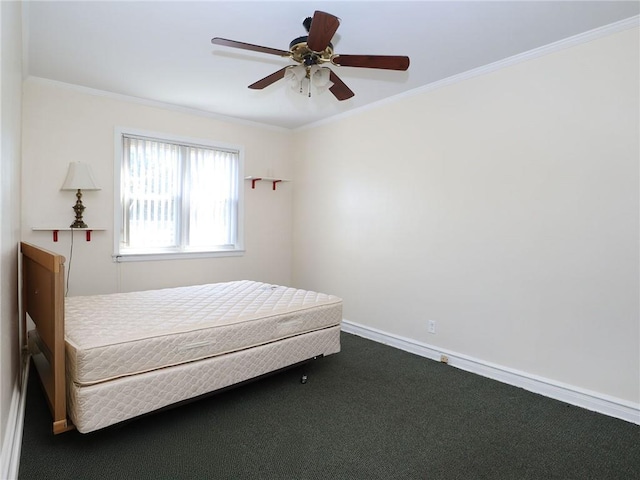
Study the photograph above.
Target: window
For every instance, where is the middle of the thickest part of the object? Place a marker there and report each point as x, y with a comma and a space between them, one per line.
177, 198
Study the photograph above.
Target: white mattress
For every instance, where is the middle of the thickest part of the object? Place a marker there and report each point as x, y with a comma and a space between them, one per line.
116, 335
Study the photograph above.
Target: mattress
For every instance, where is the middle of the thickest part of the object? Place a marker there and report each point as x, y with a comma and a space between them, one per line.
123, 334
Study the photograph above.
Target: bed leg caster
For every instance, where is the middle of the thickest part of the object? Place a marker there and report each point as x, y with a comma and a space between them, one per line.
303, 378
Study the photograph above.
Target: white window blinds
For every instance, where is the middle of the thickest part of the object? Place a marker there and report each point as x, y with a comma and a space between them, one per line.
177, 197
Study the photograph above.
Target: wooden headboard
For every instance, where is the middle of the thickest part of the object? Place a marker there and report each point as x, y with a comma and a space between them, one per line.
43, 302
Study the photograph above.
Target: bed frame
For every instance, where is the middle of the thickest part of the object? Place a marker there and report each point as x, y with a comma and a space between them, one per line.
43, 301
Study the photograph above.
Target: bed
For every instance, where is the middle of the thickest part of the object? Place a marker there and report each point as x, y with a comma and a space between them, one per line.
105, 359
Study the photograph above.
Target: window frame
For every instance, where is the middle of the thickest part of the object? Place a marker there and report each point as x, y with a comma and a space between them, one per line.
119, 256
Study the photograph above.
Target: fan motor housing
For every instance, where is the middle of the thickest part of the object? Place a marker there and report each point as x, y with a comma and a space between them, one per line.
301, 53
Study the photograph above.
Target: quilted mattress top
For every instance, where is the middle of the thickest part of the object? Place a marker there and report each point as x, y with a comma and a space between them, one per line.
125, 333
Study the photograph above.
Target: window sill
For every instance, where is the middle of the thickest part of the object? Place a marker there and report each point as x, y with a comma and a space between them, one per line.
145, 257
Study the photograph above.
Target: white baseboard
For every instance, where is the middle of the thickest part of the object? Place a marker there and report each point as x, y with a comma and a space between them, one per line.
12, 441
594, 401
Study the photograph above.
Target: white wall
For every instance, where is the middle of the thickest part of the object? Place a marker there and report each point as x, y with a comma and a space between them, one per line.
63, 124
10, 99
504, 207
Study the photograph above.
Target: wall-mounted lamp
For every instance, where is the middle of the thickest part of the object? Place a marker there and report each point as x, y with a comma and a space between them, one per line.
79, 177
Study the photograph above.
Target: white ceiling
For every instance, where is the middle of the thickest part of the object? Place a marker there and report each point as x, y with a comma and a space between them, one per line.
162, 51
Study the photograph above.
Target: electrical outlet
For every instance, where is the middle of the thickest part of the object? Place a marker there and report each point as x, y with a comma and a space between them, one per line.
432, 326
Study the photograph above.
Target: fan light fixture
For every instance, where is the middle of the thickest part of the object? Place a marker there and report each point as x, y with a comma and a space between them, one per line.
79, 177
303, 79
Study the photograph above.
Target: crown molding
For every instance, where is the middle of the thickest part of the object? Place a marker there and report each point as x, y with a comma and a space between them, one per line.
581, 38
153, 103
597, 33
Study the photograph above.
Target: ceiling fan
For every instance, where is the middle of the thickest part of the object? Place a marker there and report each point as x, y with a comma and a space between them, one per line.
315, 49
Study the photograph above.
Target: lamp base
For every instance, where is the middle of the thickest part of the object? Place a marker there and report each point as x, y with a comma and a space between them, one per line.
79, 208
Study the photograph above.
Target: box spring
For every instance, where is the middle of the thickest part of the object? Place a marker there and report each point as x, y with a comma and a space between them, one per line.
96, 406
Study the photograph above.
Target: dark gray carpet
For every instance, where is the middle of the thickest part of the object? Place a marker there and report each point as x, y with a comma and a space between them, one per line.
370, 412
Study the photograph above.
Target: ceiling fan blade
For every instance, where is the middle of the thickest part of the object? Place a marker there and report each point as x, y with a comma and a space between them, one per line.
323, 27
248, 46
386, 62
268, 80
339, 89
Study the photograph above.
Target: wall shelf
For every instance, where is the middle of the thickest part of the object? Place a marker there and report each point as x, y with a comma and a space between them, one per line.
55, 230
274, 181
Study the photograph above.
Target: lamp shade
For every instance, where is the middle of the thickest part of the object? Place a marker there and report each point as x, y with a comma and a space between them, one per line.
79, 177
